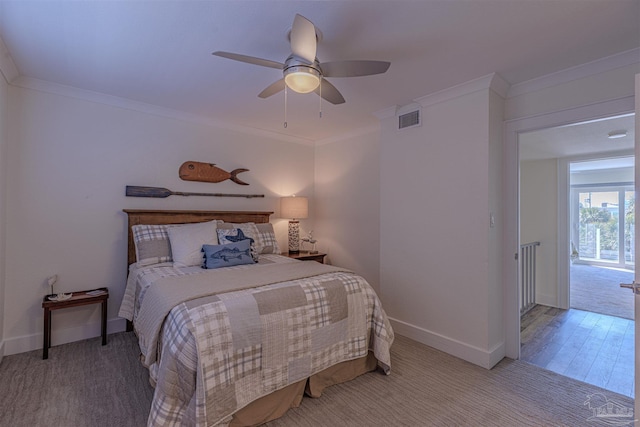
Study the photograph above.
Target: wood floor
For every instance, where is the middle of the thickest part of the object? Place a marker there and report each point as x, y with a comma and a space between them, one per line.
590, 347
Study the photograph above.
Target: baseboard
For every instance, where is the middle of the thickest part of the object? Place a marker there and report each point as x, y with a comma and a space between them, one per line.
1, 350
477, 356
61, 336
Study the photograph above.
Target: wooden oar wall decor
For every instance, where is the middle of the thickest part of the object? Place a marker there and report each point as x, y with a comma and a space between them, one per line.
158, 192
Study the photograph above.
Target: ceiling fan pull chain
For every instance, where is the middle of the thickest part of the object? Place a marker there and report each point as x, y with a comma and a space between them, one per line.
285, 106
320, 87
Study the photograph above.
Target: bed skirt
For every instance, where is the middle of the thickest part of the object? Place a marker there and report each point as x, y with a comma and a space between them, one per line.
279, 402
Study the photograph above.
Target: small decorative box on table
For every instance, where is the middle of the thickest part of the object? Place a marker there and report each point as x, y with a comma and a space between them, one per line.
75, 300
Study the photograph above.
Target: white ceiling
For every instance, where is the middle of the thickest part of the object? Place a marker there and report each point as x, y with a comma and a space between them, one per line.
159, 52
579, 139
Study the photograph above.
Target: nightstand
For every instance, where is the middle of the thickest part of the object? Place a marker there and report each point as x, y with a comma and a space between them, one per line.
306, 256
77, 299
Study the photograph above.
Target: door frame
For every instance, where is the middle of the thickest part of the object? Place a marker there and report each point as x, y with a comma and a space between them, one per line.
511, 207
564, 212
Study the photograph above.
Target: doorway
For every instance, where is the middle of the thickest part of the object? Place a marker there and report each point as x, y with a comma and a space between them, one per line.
582, 324
602, 235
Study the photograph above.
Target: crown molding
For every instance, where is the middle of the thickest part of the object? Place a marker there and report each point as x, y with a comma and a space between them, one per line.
407, 108
128, 104
598, 66
491, 81
499, 85
7, 66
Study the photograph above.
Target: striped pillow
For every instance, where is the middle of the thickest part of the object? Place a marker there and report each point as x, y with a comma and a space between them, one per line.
268, 236
152, 244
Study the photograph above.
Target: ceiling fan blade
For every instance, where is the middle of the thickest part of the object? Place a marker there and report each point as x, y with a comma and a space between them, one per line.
329, 92
353, 68
250, 59
303, 39
272, 89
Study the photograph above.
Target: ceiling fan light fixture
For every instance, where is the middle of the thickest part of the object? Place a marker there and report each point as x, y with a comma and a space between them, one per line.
302, 79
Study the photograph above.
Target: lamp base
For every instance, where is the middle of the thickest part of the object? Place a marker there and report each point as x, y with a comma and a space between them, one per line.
294, 237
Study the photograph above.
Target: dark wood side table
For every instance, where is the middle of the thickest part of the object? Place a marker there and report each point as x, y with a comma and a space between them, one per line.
306, 256
77, 299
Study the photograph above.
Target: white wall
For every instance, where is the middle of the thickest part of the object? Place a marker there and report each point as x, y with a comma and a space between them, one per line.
539, 223
69, 161
439, 280
495, 315
4, 95
347, 200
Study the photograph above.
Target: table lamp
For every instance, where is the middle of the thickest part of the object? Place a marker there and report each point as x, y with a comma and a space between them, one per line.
295, 208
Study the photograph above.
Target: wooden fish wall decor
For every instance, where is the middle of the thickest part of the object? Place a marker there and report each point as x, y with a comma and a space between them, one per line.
208, 172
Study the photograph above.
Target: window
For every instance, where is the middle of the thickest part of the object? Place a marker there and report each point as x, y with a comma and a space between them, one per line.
603, 224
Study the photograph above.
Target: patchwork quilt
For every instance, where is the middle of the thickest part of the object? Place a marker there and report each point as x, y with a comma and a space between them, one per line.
217, 351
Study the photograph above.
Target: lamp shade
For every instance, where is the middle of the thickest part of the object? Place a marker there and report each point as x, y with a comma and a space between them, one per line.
294, 207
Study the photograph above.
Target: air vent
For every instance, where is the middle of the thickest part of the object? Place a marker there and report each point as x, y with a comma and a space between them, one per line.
409, 119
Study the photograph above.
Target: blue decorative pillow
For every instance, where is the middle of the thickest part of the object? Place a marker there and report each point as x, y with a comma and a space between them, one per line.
236, 235
237, 253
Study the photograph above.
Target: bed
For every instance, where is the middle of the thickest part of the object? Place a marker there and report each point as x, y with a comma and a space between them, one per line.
241, 344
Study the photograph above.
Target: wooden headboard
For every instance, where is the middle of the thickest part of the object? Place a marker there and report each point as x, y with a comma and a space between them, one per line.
138, 216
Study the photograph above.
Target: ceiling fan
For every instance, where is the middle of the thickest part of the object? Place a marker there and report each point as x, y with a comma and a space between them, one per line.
303, 72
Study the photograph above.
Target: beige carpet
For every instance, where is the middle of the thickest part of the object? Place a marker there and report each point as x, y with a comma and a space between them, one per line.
80, 384
86, 384
597, 289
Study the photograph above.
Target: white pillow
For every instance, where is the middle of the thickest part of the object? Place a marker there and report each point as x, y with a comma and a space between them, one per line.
187, 240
